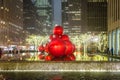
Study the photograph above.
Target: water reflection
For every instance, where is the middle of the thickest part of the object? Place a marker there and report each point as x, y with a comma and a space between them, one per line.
60, 76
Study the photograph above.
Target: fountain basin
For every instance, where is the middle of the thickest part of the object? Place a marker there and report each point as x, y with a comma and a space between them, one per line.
59, 66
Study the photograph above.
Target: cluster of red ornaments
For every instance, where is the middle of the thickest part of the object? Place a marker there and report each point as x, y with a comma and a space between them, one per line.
59, 47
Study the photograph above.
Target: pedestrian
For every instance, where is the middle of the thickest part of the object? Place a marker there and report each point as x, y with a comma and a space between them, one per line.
1, 52
112, 51
108, 51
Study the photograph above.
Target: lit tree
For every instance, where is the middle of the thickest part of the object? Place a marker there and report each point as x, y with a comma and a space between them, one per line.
36, 40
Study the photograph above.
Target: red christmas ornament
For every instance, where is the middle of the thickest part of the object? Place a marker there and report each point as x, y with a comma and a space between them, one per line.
58, 30
65, 37
69, 58
53, 36
57, 48
66, 58
41, 48
72, 57
48, 58
58, 59
46, 47
41, 56
73, 47
69, 48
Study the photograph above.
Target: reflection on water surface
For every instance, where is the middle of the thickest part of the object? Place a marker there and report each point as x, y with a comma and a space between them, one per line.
59, 76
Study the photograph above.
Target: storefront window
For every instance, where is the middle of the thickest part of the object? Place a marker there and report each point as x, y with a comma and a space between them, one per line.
119, 43
109, 38
114, 42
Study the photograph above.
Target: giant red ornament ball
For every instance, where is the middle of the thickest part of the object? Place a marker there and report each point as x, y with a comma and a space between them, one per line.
48, 58
58, 30
53, 36
72, 57
41, 48
69, 48
65, 37
69, 58
73, 47
41, 56
46, 48
57, 48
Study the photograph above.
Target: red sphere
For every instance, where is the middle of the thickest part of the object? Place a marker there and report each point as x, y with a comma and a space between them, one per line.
72, 57
41, 56
46, 47
57, 47
69, 58
53, 36
48, 58
58, 59
66, 58
65, 37
69, 48
41, 48
58, 30
73, 47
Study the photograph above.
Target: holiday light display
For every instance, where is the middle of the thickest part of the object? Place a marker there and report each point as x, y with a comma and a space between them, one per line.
59, 47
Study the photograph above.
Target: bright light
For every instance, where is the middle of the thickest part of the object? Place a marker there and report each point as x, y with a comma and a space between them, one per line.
2, 7
96, 39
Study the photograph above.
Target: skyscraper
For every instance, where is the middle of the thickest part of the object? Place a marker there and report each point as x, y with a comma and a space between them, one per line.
43, 11
11, 22
114, 25
97, 16
29, 16
81, 16
74, 16
57, 12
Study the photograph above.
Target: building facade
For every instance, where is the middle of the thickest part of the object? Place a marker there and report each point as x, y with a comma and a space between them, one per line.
74, 16
29, 17
57, 12
11, 22
44, 12
81, 16
97, 15
114, 26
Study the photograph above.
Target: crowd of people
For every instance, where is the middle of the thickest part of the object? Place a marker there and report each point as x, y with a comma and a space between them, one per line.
14, 54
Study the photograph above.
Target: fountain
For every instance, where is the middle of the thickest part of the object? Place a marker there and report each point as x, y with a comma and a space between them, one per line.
58, 56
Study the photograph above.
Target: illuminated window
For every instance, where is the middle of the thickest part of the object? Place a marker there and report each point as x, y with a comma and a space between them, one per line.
119, 41
2, 7
17, 6
21, 0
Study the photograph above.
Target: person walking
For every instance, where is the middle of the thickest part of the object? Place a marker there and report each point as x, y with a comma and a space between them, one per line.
112, 51
108, 51
0, 52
